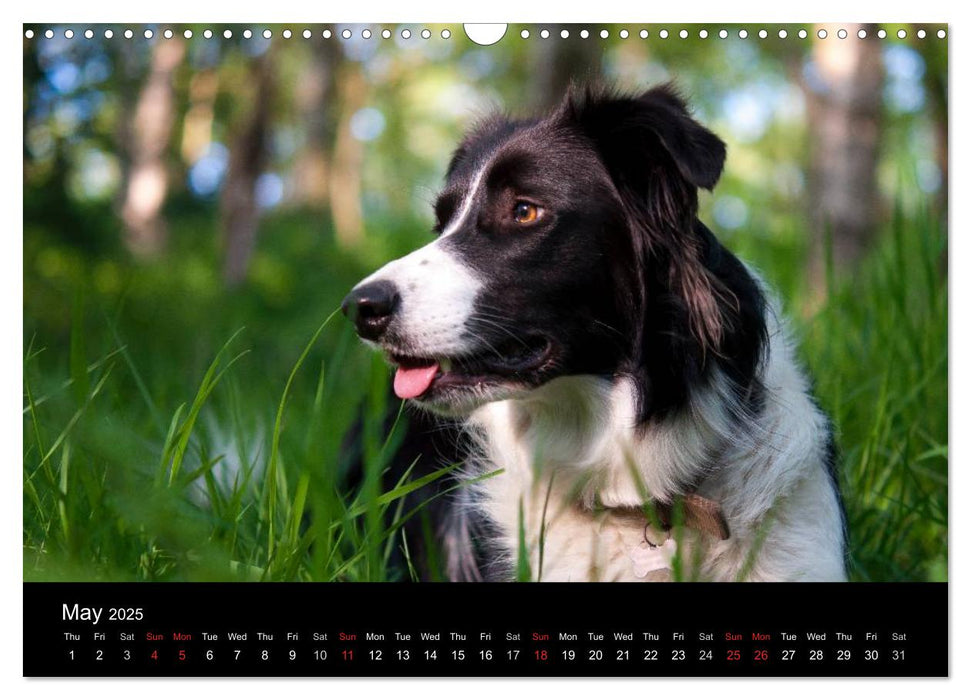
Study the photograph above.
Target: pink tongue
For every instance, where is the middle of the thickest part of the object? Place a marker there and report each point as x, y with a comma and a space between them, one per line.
410, 382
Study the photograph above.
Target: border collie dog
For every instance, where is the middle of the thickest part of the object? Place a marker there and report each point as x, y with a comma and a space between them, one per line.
630, 396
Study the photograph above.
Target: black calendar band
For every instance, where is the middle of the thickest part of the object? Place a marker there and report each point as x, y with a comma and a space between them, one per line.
361, 629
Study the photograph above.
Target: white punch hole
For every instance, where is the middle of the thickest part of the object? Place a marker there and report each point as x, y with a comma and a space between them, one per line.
485, 34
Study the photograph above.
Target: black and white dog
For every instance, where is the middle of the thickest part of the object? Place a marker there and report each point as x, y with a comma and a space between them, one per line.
623, 370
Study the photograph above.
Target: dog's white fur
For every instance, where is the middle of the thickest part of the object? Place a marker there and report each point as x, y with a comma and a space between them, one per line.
571, 444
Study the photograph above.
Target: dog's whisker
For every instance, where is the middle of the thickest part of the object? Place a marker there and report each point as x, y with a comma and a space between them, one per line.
498, 326
479, 337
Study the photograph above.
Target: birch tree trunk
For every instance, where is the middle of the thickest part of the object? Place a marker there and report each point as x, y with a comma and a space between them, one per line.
148, 140
345, 177
844, 99
316, 96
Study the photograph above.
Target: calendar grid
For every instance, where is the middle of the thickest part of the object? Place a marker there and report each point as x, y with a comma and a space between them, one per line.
484, 630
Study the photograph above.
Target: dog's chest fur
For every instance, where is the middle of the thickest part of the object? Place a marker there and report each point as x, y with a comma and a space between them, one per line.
575, 470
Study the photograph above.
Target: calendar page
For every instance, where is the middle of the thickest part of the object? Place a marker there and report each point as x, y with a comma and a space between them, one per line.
403, 349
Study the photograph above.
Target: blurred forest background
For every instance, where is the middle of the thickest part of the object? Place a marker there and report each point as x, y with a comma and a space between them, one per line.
194, 208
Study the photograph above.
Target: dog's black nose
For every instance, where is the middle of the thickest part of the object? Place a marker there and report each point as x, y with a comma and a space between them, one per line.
371, 307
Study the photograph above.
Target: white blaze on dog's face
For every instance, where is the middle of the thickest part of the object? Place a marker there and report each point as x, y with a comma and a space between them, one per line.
436, 296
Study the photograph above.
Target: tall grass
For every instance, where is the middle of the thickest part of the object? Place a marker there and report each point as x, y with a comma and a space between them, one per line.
103, 504
129, 476
878, 352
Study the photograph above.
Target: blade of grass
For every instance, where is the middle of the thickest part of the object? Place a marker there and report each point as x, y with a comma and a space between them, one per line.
272, 465
209, 382
77, 363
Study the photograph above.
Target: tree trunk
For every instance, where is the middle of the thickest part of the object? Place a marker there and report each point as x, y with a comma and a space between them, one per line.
935, 80
557, 62
844, 100
315, 97
345, 176
199, 118
148, 141
247, 159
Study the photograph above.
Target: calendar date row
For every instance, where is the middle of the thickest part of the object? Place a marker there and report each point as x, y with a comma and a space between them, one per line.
540, 655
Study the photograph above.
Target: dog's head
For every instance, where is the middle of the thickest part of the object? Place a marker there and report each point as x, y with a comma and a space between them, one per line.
568, 245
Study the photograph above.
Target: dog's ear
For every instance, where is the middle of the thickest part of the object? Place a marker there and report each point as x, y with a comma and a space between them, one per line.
657, 157
636, 126
698, 154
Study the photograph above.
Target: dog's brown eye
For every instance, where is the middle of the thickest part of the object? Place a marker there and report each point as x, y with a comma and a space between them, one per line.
525, 213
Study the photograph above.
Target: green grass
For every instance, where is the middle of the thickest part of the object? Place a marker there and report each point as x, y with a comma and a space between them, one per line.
138, 399
878, 353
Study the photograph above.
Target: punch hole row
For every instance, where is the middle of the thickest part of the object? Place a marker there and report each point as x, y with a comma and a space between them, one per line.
247, 33
446, 34
724, 34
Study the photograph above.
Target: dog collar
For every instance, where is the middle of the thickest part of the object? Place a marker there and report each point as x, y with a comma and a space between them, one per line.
691, 510
700, 513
